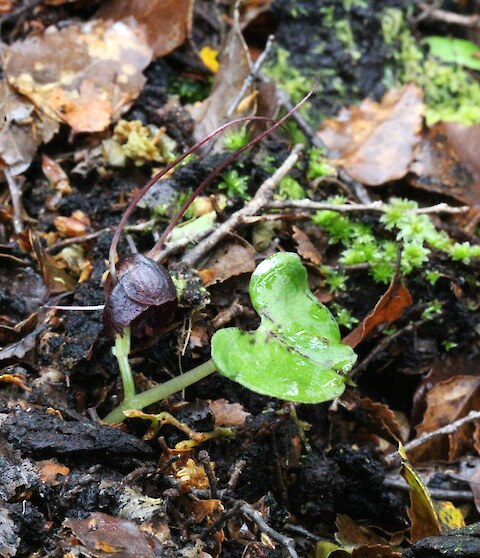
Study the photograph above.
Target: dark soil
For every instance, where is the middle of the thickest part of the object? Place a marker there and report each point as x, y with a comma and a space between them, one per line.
300, 467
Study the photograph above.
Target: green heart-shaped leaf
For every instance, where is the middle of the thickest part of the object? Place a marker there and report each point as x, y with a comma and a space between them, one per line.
296, 353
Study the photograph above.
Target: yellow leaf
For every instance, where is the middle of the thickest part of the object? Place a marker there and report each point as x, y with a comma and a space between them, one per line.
424, 521
209, 58
450, 517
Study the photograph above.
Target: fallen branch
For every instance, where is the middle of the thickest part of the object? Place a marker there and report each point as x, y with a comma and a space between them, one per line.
437, 493
376, 206
252, 74
444, 430
451, 18
257, 517
256, 204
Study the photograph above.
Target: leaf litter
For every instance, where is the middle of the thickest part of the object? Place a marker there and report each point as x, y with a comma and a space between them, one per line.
303, 470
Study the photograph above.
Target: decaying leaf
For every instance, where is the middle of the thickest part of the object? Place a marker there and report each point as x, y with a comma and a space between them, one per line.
388, 309
82, 75
306, 249
424, 521
167, 22
234, 68
373, 141
446, 161
227, 414
22, 131
103, 535
446, 402
379, 417
229, 260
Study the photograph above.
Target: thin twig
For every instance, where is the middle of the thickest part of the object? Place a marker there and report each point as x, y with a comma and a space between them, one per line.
16, 196
386, 341
376, 206
170, 248
355, 187
437, 493
252, 74
448, 429
204, 459
451, 18
257, 517
261, 198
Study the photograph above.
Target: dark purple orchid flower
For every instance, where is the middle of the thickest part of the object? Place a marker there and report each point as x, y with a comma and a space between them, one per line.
144, 298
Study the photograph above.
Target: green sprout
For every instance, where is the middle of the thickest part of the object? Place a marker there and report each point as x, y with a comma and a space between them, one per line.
414, 232
295, 354
235, 139
290, 189
234, 184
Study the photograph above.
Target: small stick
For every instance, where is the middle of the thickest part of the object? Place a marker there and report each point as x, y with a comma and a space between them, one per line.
448, 17
204, 459
16, 196
251, 208
447, 429
376, 206
358, 189
384, 343
251, 76
257, 517
437, 493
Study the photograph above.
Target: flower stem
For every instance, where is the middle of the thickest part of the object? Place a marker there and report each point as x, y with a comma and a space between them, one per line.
161, 391
121, 351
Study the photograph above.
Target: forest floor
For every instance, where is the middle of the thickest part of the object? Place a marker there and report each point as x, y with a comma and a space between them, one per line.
378, 195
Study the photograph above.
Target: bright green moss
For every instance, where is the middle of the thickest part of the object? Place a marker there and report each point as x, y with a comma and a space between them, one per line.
413, 233
451, 93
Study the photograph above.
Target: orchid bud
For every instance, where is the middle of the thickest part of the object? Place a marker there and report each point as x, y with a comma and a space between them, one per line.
144, 298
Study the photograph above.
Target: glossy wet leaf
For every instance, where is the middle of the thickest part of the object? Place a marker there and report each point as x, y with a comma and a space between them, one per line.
296, 353
458, 51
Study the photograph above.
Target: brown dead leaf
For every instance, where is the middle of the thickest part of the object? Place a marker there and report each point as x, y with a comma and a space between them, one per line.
229, 260
351, 533
375, 551
234, 68
167, 22
379, 417
305, 247
50, 471
6, 6
447, 402
388, 309
373, 141
83, 75
206, 509
75, 225
227, 414
104, 536
22, 131
446, 161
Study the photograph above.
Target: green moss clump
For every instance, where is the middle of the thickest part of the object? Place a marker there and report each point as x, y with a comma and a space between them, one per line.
451, 93
414, 233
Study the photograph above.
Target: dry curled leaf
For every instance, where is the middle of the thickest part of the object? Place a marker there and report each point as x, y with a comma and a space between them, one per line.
446, 162
227, 414
234, 68
388, 309
305, 247
83, 75
103, 535
373, 141
23, 130
167, 22
447, 402
229, 260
